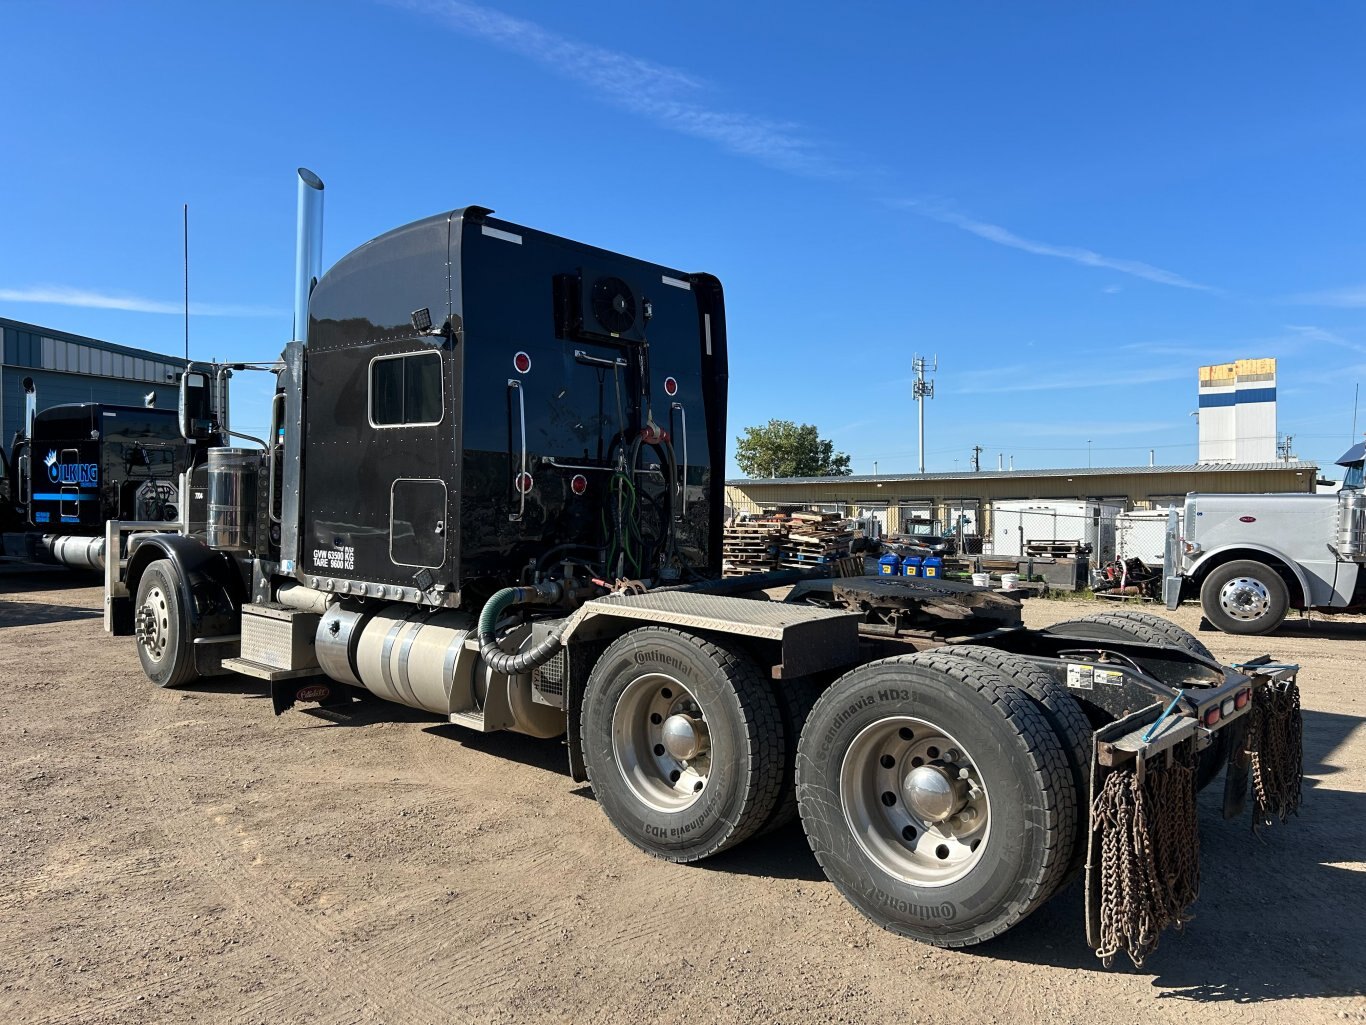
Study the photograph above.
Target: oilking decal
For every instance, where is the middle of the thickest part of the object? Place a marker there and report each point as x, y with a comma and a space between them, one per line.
80, 474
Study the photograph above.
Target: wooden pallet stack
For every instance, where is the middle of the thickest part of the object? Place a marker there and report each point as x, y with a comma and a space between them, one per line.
814, 539
748, 549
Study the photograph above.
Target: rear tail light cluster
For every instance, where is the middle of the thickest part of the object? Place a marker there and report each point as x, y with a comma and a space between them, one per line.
1226, 707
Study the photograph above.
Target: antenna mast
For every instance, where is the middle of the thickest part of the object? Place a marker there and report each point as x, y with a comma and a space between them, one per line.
922, 389
185, 236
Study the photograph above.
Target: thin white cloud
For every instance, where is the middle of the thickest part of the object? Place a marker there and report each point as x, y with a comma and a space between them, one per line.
1008, 380
1075, 254
1351, 297
663, 94
64, 295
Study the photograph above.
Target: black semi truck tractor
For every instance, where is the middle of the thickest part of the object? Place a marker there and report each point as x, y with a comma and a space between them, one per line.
74, 467
493, 491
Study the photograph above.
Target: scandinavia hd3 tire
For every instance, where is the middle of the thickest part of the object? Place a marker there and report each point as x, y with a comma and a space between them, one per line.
1063, 713
164, 635
678, 808
1154, 630
1000, 739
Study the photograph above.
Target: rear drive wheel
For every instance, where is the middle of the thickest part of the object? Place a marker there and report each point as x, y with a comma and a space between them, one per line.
936, 797
683, 742
165, 637
1245, 597
1064, 715
1133, 630
1179, 636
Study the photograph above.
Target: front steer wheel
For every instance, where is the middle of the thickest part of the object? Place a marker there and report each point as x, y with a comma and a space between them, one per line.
164, 634
936, 797
683, 741
1245, 597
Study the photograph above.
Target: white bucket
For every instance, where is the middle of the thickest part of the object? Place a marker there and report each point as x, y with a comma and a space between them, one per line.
981, 580
1010, 581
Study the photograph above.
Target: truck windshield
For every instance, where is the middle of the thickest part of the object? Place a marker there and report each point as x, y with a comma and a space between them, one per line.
1352, 479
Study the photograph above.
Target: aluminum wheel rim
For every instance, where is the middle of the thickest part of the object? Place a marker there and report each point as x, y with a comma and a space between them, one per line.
898, 838
154, 623
1245, 599
659, 778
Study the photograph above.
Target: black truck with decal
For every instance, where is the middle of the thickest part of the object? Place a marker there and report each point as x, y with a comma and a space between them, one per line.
74, 467
492, 490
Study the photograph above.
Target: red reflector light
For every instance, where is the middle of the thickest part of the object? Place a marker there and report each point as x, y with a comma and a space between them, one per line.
1241, 699
670, 386
1212, 716
579, 484
524, 482
521, 362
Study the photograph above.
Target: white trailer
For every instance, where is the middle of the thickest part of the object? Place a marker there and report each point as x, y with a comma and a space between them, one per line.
1142, 534
1015, 523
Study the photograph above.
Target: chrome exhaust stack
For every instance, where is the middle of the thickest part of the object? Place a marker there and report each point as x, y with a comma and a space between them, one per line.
308, 248
30, 406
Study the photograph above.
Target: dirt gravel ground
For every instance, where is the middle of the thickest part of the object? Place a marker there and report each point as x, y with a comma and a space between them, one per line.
184, 856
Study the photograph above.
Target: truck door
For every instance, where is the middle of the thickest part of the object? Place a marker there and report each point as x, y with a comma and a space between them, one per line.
380, 473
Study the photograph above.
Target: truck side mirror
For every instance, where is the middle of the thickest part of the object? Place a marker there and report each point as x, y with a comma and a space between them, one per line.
196, 413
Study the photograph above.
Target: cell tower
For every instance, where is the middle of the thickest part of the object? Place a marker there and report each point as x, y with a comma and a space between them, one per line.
923, 389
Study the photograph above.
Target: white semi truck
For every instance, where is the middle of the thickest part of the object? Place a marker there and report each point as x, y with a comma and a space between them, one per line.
1250, 559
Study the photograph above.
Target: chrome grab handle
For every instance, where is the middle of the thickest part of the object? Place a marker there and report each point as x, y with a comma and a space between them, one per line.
598, 361
683, 419
521, 406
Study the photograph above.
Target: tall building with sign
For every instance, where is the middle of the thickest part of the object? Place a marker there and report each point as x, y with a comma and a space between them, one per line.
1238, 412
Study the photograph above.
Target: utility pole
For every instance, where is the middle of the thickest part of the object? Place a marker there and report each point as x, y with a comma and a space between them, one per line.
922, 389
1283, 448
976, 458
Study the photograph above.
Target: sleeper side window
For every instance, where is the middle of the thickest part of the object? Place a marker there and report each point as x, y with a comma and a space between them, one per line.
405, 390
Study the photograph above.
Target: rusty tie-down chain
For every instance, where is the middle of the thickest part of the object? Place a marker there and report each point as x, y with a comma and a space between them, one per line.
1275, 741
1150, 854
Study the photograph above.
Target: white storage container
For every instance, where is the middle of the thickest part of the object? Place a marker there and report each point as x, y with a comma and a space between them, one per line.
1016, 522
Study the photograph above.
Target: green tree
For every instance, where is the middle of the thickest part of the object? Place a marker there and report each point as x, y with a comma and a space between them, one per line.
783, 449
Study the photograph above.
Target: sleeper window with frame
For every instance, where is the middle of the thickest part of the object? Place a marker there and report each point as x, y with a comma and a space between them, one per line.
405, 390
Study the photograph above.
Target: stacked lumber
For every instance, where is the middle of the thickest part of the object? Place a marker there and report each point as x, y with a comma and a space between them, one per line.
814, 539
748, 549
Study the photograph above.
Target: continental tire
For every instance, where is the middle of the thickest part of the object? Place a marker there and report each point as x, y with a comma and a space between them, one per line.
796, 698
1109, 627
894, 756
1245, 597
1064, 715
1177, 635
164, 636
683, 742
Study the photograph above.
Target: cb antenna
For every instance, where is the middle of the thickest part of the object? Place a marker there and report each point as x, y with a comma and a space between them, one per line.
185, 238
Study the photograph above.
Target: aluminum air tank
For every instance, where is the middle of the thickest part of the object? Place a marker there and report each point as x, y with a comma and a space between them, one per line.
75, 552
233, 477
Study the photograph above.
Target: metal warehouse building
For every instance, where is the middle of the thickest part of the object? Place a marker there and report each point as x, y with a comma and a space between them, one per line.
73, 368
967, 497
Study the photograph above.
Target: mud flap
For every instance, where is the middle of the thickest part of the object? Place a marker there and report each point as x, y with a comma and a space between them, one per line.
1238, 771
285, 693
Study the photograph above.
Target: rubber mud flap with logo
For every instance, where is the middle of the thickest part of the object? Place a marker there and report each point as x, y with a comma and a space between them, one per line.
936, 797
284, 693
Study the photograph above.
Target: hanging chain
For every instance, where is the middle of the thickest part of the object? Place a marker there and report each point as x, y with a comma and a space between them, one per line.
1150, 854
1276, 743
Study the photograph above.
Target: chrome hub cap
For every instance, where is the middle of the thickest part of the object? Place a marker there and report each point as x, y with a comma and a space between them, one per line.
660, 742
153, 624
684, 737
914, 801
932, 794
1245, 598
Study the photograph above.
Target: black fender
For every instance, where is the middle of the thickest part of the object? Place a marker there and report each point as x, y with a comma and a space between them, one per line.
212, 590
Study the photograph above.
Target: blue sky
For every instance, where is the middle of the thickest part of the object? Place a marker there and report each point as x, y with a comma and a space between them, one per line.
1073, 205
